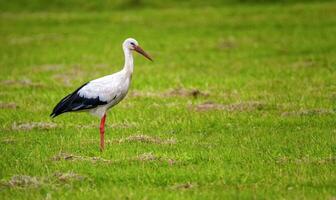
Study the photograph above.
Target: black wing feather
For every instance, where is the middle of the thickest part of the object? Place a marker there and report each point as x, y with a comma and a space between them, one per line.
74, 102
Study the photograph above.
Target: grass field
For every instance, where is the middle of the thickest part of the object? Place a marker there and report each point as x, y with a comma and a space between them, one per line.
239, 103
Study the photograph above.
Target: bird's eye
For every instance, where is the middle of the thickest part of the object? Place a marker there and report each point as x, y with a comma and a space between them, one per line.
132, 43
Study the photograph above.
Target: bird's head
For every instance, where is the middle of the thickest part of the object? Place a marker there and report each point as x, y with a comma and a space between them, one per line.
133, 45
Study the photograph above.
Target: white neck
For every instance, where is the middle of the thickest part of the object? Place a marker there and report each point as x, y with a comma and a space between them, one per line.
128, 67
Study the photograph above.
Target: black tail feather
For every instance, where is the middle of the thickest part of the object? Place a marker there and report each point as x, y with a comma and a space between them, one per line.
75, 102
63, 105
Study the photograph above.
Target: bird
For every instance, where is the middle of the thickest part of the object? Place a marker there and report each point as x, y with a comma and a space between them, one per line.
99, 95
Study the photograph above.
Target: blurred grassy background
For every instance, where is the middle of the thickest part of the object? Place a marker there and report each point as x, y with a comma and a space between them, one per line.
109, 5
268, 66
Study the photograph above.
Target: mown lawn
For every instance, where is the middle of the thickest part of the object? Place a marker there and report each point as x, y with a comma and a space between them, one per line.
239, 103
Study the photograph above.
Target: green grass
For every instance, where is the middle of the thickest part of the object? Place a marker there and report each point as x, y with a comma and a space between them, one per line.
281, 57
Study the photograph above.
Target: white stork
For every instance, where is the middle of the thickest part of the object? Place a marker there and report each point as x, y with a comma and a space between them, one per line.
98, 95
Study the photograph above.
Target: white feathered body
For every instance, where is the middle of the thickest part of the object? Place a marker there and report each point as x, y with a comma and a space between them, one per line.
111, 88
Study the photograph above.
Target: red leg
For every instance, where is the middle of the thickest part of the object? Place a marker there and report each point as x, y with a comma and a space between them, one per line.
102, 131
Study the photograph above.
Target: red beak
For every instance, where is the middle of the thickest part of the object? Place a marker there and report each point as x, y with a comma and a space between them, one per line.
142, 52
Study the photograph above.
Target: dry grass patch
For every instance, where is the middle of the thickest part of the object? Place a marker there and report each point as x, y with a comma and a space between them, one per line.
136, 93
184, 186
177, 92
227, 44
66, 78
49, 67
71, 157
8, 141
114, 125
22, 83
68, 177
147, 139
147, 157
309, 112
9, 105
187, 93
165, 105
33, 125
23, 181
35, 38
305, 63
240, 107
307, 160
136, 138
46, 68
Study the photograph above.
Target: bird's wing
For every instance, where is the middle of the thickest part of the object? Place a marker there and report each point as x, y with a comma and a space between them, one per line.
105, 88
90, 95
